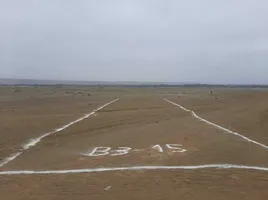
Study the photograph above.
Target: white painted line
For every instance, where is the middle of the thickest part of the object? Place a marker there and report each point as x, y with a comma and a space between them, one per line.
35, 141
10, 158
217, 126
108, 188
136, 168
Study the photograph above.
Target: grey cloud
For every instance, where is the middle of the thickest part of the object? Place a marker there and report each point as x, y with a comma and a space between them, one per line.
210, 41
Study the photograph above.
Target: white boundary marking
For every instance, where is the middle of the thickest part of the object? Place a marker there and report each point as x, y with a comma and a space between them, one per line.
136, 168
35, 141
217, 126
10, 158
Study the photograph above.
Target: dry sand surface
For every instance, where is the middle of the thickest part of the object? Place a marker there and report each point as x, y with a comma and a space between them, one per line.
139, 130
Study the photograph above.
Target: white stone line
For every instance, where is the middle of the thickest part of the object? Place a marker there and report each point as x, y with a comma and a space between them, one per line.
35, 141
217, 126
135, 168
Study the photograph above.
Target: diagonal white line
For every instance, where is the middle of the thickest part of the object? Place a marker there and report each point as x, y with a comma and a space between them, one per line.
217, 126
35, 141
136, 168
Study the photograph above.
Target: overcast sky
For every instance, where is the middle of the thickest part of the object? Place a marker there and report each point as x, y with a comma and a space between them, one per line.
208, 41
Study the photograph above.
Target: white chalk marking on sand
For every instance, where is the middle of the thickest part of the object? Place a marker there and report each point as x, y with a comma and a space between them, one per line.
176, 148
218, 126
98, 151
158, 147
121, 151
136, 168
35, 141
108, 188
103, 151
10, 158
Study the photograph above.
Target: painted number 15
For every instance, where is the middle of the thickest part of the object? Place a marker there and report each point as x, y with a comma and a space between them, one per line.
176, 148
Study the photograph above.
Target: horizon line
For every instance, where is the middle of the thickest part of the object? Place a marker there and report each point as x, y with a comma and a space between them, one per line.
132, 82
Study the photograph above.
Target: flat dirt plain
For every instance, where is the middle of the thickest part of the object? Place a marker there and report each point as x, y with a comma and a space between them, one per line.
55, 145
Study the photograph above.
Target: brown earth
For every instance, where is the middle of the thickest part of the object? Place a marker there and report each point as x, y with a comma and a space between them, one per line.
27, 112
140, 120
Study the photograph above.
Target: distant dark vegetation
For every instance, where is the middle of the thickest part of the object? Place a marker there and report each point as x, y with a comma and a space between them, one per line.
29, 82
213, 86
144, 85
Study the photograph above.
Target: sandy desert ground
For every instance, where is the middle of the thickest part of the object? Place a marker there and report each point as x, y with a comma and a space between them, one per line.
79, 142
